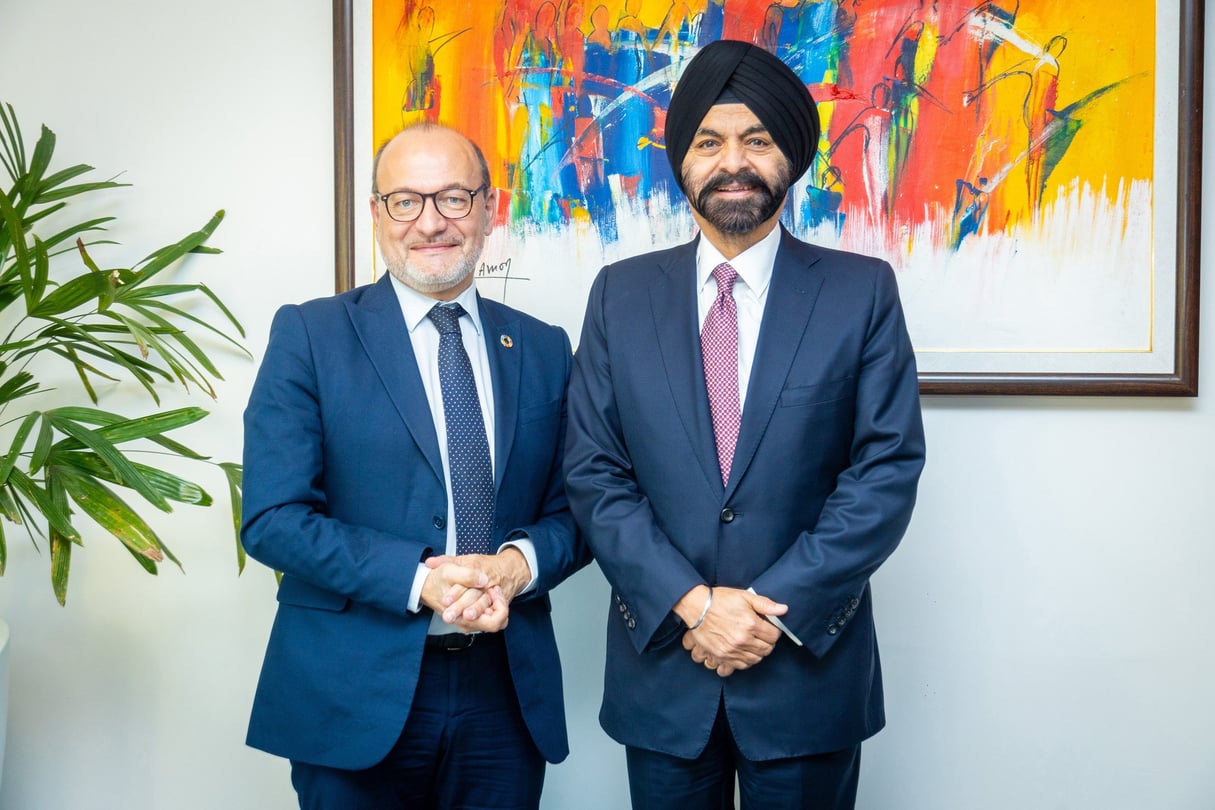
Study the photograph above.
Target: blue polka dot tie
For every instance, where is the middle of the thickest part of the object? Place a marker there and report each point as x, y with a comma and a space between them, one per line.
472, 474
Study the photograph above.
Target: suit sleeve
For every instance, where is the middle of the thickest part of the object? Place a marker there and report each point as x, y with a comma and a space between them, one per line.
649, 574
559, 548
824, 573
285, 522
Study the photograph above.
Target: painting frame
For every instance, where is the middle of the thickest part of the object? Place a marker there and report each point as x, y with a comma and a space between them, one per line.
1180, 380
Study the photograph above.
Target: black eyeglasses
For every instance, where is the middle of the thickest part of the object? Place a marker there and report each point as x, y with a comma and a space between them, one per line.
452, 203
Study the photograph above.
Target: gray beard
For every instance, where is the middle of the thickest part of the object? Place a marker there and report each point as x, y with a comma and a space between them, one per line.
404, 273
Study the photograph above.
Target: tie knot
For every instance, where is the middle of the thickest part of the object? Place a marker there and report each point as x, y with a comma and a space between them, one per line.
725, 276
446, 318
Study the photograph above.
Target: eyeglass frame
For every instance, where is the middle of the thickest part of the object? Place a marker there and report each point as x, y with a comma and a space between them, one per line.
433, 197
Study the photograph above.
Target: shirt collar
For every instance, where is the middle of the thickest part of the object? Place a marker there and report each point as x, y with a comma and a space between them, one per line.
415, 305
753, 265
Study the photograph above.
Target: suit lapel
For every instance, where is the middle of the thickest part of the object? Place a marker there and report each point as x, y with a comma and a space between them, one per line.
673, 306
504, 350
377, 320
792, 294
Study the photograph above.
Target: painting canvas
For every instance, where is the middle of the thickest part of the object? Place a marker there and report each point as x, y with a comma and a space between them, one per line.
1005, 157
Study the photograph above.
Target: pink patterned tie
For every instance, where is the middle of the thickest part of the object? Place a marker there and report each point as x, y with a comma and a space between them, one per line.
719, 348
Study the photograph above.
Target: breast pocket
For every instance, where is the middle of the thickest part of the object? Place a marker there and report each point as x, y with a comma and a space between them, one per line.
545, 410
820, 394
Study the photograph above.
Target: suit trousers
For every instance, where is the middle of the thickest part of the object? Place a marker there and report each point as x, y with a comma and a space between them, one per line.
659, 781
465, 745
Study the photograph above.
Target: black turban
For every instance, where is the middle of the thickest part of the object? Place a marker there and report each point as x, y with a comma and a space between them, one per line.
746, 73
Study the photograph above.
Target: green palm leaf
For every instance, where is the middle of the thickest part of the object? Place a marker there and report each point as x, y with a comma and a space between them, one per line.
12, 147
121, 466
79, 290
235, 475
43, 149
119, 429
17, 386
145, 304
61, 563
160, 259
28, 220
61, 547
77, 229
16, 239
73, 191
112, 513
8, 507
56, 518
18, 445
171, 487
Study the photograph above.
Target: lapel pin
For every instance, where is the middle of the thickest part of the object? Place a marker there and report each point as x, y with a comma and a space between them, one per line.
506, 341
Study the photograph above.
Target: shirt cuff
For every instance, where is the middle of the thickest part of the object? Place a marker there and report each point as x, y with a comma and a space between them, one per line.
415, 592
528, 549
781, 625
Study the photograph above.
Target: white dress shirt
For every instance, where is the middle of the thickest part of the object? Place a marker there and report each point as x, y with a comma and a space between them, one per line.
424, 337
754, 268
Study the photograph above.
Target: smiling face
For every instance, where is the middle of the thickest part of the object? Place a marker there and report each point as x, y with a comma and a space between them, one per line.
736, 178
432, 254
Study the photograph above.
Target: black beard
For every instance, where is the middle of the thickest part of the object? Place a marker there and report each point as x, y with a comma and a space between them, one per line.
740, 216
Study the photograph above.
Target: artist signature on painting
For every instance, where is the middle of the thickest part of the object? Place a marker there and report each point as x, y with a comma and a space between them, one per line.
500, 271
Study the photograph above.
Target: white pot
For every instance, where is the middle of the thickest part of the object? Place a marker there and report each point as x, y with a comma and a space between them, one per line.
3, 690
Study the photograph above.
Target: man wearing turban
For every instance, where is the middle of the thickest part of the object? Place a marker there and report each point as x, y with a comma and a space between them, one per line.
743, 452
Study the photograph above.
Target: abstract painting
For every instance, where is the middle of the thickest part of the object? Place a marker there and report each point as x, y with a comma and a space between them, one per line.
1016, 161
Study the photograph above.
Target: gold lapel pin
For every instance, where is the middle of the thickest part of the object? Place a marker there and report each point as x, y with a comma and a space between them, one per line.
506, 341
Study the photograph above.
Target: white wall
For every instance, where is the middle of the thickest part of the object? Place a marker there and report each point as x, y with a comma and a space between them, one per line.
1047, 625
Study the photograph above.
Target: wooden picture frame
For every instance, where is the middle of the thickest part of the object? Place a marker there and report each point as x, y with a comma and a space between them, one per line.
1172, 346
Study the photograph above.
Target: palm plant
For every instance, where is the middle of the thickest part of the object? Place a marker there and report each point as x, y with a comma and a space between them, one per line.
120, 326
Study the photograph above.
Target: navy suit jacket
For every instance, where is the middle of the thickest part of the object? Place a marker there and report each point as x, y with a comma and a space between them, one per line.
821, 490
344, 494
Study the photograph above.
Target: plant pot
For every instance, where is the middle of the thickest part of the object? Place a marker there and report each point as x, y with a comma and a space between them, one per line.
3, 691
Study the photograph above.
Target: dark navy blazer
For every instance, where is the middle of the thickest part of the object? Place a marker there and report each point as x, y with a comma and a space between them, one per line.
344, 494
821, 490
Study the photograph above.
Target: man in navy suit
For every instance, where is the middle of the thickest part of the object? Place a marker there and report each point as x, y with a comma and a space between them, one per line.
744, 448
392, 678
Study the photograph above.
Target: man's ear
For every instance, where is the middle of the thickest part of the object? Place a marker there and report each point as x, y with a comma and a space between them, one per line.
491, 208
375, 210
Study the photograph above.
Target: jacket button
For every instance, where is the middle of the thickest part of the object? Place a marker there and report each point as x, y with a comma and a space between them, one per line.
439, 522
831, 630
632, 624
727, 515
855, 602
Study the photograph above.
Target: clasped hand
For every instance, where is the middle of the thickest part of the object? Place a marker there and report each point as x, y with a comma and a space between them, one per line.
735, 633
472, 592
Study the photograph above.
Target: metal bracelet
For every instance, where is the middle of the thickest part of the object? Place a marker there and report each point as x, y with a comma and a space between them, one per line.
704, 612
